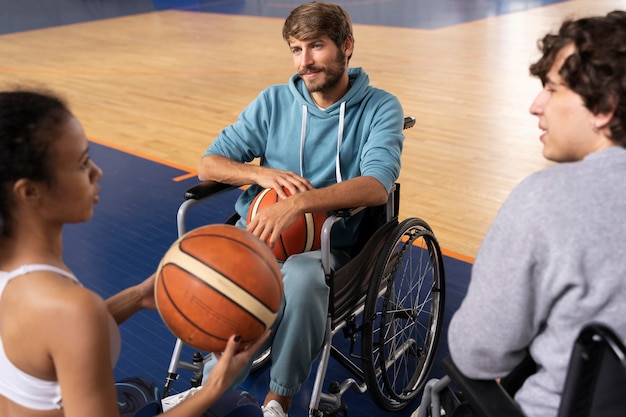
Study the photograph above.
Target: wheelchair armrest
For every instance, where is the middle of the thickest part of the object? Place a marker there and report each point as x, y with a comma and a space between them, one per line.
487, 398
205, 189
195, 195
409, 122
345, 213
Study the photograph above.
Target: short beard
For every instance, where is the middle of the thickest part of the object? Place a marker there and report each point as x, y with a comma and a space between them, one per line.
333, 75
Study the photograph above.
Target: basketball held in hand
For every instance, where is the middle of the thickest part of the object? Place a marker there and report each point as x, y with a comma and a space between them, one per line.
217, 281
303, 236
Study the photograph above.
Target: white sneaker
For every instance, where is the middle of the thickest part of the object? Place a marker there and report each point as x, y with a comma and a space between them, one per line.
172, 400
273, 409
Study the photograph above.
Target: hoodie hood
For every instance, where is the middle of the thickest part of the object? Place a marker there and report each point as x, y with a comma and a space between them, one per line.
359, 82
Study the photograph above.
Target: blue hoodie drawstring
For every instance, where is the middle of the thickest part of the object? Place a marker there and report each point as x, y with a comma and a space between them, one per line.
302, 135
342, 112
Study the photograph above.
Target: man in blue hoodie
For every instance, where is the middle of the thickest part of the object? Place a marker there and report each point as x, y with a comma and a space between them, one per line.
334, 142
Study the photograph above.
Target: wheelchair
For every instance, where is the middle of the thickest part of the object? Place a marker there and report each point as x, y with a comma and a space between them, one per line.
389, 296
594, 385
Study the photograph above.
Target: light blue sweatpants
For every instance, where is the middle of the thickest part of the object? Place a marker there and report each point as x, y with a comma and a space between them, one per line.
298, 332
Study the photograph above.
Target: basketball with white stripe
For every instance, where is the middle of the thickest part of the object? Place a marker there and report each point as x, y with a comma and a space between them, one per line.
303, 236
217, 281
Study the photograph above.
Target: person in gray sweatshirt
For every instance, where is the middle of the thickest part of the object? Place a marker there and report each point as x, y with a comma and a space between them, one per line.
555, 257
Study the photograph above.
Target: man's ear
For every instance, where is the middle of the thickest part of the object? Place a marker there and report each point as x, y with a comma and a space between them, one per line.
348, 46
602, 120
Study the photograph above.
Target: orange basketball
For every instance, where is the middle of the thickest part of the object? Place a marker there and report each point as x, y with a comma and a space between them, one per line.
303, 236
217, 281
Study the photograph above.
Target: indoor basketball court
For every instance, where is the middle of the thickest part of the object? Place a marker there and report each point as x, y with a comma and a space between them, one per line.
153, 82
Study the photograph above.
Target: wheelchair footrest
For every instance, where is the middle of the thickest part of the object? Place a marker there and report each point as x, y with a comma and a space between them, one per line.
329, 410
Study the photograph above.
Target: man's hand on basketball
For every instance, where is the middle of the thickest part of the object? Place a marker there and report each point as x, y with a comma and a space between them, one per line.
277, 179
270, 222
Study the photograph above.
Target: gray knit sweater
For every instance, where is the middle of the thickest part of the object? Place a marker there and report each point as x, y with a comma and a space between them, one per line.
553, 260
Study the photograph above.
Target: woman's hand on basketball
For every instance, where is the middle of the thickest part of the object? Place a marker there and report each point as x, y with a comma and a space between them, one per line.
279, 179
232, 361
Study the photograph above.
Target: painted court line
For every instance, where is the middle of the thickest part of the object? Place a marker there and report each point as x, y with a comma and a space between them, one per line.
190, 173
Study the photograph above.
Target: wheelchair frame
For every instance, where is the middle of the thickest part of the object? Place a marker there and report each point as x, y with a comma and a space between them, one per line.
398, 308
594, 383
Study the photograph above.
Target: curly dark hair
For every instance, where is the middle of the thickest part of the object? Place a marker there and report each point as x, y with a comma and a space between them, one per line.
315, 19
597, 69
30, 121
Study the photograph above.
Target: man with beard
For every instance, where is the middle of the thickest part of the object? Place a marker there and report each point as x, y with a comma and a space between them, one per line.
334, 142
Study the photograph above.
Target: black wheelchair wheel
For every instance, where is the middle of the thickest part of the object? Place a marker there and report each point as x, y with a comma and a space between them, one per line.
403, 315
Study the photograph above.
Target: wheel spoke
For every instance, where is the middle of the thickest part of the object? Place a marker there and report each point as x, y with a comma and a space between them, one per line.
405, 317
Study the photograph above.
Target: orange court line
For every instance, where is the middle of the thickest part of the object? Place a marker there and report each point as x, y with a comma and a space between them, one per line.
192, 173
445, 252
457, 256
185, 176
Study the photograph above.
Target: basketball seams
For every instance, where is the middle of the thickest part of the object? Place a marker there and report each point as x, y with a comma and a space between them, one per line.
282, 248
224, 286
188, 319
271, 267
310, 231
303, 236
257, 202
203, 305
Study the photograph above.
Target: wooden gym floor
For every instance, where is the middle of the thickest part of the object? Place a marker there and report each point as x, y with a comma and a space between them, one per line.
153, 82
163, 83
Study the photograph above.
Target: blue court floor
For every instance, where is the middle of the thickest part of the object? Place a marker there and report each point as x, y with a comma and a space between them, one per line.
133, 226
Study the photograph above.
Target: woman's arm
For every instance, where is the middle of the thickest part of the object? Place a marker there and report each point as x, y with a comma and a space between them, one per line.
78, 335
129, 301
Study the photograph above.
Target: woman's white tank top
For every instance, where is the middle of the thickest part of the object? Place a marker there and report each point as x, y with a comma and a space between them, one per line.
24, 389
